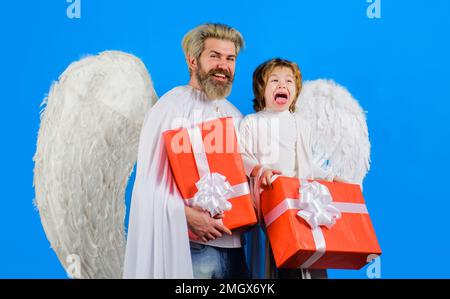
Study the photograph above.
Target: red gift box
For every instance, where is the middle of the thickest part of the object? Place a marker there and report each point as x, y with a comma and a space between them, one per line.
348, 244
207, 148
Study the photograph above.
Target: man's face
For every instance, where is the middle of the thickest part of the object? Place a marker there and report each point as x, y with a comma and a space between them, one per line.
215, 68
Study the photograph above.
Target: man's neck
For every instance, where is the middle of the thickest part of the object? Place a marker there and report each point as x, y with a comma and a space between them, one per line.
194, 83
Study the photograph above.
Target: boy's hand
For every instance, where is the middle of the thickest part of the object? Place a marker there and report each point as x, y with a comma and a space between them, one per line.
267, 176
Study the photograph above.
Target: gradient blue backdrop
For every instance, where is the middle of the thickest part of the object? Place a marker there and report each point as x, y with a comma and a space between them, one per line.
396, 66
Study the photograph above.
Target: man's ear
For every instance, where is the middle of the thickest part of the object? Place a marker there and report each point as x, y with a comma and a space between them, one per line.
192, 62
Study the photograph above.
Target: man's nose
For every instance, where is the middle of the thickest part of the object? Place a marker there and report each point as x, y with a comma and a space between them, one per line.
223, 64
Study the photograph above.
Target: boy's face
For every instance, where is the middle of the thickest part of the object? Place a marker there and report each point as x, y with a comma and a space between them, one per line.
280, 89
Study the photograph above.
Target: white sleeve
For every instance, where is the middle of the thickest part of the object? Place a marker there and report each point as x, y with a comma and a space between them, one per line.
247, 144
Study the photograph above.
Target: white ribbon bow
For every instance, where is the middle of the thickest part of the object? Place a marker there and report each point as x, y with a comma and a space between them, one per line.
316, 205
213, 193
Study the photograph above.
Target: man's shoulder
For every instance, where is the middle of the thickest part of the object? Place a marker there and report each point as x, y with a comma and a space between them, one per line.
232, 110
171, 99
174, 93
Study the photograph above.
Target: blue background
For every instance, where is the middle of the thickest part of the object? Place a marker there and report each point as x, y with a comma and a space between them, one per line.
396, 66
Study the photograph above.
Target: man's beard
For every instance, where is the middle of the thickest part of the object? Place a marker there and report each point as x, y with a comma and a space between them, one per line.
213, 88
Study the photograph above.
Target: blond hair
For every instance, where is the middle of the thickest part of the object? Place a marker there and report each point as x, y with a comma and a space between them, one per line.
194, 41
261, 76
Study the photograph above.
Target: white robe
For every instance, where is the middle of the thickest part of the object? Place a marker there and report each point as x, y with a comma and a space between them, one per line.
157, 239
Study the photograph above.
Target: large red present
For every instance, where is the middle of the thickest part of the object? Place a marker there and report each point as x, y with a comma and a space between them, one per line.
293, 211
208, 152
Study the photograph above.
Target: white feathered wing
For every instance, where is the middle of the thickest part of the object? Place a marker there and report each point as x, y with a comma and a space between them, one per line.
339, 140
86, 149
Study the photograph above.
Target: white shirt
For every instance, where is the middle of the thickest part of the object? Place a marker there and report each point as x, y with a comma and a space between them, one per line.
273, 139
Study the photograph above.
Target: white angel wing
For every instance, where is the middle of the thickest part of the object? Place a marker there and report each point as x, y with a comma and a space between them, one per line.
339, 141
86, 149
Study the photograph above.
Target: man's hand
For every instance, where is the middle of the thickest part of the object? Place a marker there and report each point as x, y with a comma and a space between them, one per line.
203, 225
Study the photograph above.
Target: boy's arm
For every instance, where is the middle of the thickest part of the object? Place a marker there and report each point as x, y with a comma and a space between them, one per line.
246, 147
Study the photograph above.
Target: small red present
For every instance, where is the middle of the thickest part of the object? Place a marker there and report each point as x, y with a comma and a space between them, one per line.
318, 224
208, 169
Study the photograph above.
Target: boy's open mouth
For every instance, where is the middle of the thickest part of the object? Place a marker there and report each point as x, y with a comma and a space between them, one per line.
281, 97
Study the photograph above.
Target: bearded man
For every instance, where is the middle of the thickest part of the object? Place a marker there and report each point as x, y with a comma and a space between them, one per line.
158, 245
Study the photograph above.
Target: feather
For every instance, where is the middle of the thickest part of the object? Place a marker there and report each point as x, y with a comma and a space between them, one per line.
339, 141
86, 149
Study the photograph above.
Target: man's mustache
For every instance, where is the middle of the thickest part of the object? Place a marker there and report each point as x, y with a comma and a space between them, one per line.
226, 73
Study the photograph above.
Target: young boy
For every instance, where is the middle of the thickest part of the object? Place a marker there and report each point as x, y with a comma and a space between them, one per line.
274, 141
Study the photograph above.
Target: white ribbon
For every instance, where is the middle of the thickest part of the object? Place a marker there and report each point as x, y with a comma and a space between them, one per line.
316, 205
320, 212
213, 189
213, 193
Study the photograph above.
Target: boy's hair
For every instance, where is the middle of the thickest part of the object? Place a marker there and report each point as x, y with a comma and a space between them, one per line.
193, 42
261, 75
